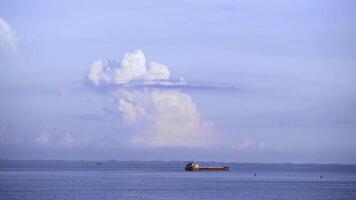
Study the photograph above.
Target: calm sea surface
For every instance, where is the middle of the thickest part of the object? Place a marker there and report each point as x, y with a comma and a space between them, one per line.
84, 180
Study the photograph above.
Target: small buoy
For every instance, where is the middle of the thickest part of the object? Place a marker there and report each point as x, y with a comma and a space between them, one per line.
321, 177
255, 174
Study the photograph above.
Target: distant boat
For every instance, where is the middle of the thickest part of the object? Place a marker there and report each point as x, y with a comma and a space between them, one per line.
192, 166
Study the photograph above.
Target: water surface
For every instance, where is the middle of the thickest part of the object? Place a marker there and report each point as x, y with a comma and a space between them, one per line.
84, 180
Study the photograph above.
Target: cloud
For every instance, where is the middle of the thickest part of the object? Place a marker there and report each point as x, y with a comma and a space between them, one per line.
250, 144
160, 116
92, 117
129, 110
133, 67
170, 118
133, 73
180, 84
53, 137
8, 38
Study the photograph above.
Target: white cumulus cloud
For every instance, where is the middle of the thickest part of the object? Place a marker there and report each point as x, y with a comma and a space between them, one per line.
170, 118
133, 67
161, 117
8, 38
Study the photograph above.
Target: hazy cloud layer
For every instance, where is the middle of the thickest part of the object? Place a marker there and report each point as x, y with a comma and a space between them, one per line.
161, 117
248, 144
52, 137
8, 38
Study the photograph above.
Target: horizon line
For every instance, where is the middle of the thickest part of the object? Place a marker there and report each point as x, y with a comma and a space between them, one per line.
169, 161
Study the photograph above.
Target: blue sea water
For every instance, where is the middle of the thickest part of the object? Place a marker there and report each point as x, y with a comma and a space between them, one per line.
86, 180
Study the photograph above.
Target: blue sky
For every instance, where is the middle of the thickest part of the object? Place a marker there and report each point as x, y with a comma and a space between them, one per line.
262, 81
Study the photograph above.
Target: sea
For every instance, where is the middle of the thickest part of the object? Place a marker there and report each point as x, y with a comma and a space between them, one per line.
115, 180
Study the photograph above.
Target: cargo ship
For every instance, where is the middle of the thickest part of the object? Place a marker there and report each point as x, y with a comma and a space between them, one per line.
192, 166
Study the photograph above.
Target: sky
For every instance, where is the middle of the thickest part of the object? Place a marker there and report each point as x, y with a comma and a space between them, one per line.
239, 81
